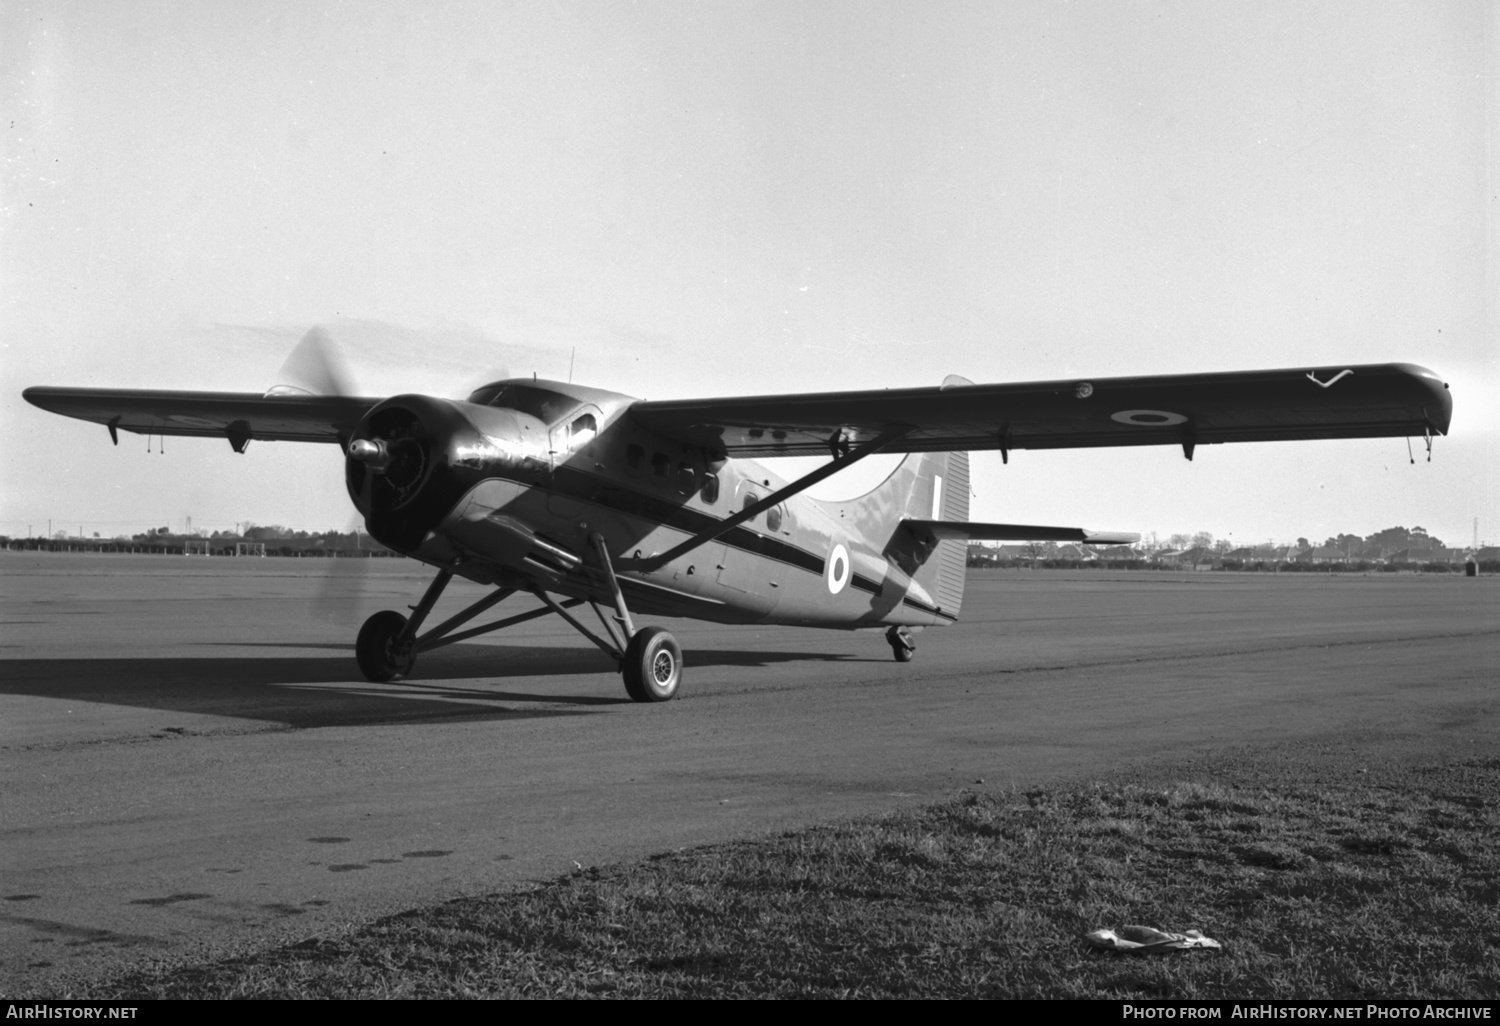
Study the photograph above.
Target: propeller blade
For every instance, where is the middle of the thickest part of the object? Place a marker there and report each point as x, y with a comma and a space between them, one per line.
344, 594
316, 365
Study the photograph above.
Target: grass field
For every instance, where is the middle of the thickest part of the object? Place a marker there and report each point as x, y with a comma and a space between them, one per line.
1326, 872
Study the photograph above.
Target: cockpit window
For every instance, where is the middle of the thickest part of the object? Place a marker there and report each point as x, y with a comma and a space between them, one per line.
581, 432
546, 406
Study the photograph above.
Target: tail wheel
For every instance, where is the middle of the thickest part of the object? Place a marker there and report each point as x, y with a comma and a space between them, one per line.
376, 652
652, 666
902, 645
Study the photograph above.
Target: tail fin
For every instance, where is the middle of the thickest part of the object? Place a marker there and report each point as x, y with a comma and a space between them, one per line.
925, 485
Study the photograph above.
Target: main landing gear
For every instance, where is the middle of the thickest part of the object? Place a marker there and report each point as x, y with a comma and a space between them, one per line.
649, 659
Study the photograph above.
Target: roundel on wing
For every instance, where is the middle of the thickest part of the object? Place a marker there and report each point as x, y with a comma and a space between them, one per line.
836, 570
1148, 418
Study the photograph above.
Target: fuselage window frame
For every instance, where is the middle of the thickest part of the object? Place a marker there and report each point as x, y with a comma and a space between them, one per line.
635, 460
710, 489
582, 432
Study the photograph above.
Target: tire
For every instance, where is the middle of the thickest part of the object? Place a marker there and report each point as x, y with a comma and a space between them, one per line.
902, 647
377, 657
652, 666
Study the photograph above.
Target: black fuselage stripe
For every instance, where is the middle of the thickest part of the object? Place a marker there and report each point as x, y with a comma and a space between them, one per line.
584, 487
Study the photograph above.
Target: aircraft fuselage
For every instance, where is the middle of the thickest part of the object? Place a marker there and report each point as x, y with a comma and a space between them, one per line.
511, 493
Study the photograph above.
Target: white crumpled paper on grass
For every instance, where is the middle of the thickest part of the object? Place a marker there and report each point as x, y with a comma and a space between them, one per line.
1143, 940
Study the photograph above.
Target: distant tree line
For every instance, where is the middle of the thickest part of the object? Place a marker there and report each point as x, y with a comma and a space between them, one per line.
276, 539
1392, 549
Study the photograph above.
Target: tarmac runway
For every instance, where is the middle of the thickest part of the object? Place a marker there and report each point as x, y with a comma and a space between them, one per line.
190, 764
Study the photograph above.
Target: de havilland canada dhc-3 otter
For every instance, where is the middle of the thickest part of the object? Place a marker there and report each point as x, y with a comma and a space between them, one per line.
580, 496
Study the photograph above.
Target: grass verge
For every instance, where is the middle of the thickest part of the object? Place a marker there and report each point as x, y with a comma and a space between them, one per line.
1337, 882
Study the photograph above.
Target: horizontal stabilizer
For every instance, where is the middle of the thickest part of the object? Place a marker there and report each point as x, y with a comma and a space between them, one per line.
942, 530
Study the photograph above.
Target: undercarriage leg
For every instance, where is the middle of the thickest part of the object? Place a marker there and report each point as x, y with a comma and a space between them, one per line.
611, 627
652, 661
622, 613
421, 609
387, 646
609, 649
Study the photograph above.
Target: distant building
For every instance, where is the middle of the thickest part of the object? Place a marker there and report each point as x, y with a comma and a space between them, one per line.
1323, 554
1261, 554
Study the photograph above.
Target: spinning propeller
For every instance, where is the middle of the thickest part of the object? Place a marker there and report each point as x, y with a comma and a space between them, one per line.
320, 365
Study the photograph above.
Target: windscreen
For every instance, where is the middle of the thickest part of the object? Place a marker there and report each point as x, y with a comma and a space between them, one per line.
545, 405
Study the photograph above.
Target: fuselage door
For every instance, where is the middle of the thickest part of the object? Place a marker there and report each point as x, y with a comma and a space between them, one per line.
573, 472
744, 569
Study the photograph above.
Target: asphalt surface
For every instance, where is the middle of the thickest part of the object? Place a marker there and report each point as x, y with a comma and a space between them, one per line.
190, 765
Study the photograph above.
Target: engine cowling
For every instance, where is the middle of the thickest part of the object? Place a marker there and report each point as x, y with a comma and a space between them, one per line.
413, 457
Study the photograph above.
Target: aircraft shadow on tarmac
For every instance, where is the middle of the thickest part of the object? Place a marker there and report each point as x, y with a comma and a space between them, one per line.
468, 661
323, 691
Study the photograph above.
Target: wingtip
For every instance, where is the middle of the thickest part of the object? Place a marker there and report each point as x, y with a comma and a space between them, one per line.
1438, 400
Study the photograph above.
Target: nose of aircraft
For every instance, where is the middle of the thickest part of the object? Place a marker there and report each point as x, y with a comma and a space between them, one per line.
412, 459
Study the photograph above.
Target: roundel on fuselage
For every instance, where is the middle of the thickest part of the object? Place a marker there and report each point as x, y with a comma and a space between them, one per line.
836, 570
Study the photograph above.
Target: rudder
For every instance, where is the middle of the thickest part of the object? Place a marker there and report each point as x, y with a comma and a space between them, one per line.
952, 556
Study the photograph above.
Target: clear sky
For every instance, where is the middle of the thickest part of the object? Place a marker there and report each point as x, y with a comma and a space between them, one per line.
727, 198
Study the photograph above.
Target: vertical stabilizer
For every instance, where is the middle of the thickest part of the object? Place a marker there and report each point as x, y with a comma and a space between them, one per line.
925, 486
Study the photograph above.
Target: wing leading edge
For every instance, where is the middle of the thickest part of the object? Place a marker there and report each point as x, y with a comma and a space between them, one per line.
237, 416
1361, 401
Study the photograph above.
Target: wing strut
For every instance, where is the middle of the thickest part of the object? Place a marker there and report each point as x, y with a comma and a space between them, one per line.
838, 443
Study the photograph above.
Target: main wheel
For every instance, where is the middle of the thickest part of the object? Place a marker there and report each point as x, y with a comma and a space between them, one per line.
375, 649
653, 665
902, 647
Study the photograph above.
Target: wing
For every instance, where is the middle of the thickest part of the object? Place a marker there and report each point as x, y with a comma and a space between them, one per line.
237, 416
944, 530
1364, 401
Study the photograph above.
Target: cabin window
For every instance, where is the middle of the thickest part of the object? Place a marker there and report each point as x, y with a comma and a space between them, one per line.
687, 479
710, 489
773, 518
750, 500
661, 469
581, 432
635, 460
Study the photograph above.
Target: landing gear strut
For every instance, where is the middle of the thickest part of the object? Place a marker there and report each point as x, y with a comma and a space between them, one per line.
649, 659
902, 645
